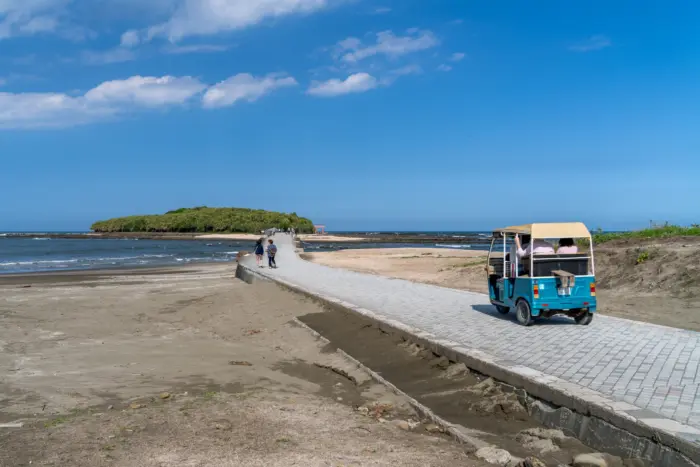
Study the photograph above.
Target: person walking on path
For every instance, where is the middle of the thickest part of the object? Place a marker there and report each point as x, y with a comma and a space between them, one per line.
271, 252
259, 252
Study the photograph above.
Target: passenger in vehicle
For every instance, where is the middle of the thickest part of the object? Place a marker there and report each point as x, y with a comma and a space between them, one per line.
567, 247
536, 247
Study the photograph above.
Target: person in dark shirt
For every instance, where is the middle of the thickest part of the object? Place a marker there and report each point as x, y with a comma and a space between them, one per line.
259, 252
271, 253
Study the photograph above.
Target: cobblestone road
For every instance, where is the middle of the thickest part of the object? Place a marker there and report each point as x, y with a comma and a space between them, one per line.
652, 367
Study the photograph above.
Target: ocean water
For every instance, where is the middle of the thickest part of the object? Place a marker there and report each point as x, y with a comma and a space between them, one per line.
448, 240
30, 254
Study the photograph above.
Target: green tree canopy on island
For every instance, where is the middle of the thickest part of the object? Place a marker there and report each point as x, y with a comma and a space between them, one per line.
204, 219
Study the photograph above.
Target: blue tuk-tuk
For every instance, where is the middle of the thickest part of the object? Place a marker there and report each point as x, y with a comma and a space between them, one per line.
537, 281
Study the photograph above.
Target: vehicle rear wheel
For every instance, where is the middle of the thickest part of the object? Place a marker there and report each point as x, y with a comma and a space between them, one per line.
503, 309
584, 319
523, 313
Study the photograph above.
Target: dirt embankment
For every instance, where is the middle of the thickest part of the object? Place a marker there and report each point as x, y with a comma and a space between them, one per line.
656, 281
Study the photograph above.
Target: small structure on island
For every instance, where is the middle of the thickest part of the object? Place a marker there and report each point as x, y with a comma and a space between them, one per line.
320, 229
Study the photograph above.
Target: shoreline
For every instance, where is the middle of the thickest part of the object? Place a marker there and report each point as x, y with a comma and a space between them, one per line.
415, 238
78, 275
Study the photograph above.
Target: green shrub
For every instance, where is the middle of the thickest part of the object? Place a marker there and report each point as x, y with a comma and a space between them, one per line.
207, 220
658, 232
642, 257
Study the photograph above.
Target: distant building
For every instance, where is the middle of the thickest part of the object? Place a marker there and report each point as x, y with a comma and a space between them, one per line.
320, 229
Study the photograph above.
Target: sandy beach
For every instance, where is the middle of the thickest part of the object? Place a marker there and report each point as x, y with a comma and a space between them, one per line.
460, 269
186, 366
663, 289
190, 366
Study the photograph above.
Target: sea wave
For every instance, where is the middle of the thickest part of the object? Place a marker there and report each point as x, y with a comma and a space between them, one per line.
28, 263
41, 238
456, 247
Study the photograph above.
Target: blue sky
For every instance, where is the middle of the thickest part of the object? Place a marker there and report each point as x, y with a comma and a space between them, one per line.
361, 114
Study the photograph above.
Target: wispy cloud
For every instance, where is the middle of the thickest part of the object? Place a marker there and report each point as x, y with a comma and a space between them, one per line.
194, 49
244, 87
206, 17
106, 57
357, 83
393, 75
3, 82
444, 67
457, 57
116, 98
596, 42
29, 17
381, 10
111, 98
353, 50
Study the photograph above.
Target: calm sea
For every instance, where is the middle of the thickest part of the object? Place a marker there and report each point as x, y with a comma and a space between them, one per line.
30, 254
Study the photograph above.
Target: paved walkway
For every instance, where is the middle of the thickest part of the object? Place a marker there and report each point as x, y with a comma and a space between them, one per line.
651, 367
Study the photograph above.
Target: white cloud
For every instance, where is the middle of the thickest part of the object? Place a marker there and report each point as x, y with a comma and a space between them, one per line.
359, 82
388, 44
115, 55
193, 49
444, 67
246, 87
146, 90
395, 74
457, 57
111, 98
28, 17
130, 39
596, 42
204, 17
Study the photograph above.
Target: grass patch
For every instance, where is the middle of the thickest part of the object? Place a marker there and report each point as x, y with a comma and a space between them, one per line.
642, 257
55, 422
657, 232
209, 395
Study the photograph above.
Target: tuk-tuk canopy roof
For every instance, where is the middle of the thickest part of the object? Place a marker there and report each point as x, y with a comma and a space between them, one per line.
549, 230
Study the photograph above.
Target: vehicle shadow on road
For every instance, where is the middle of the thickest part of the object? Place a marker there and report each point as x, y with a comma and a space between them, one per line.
490, 310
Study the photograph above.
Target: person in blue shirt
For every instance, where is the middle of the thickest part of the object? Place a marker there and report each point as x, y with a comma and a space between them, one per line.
271, 253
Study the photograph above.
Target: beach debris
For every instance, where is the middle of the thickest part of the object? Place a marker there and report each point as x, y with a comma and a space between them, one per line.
458, 369
531, 462
165, 395
252, 332
540, 439
110, 407
442, 363
376, 409
597, 459
12, 425
240, 363
433, 428
136, 405
544, 433
405, 425
222, 424
493, 455
338, 371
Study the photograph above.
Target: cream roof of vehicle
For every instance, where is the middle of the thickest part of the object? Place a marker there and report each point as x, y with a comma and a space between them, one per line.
549, 230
